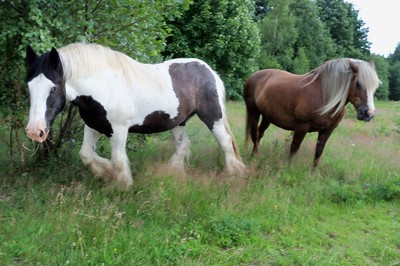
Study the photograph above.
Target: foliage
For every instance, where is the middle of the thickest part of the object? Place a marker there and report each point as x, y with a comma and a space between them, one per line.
221, 33
394, 84
300, 35
313, 37
394, 69
345, 27
137, 28
278, 36
382, 68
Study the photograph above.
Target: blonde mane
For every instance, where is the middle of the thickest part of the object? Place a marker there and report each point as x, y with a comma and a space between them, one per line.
336, 76
80, 59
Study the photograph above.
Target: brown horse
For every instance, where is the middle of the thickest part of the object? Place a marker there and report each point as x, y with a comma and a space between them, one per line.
313, 102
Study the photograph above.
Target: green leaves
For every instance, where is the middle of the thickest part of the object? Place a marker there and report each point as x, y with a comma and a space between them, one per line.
223, 34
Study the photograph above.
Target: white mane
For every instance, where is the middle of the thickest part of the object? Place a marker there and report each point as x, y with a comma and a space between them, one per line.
336, 76
80, 59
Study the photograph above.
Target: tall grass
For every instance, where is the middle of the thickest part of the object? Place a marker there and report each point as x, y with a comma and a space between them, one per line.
345, 212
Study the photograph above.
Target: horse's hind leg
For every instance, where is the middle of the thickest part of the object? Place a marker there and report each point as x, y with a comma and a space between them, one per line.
99, 166
224, 136
182, 144
261, 129
253, 117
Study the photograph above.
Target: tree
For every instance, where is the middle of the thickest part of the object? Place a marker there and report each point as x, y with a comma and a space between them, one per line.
360, 32
394, 74
345, 28
382, 69
222, 33
261, 9
394, 82
137, 28
313, 38
278, 36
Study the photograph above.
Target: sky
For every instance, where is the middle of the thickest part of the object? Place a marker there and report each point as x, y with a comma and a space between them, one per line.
382, 17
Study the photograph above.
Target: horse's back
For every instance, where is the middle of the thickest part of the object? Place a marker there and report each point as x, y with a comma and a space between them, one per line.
268, 83
276, 94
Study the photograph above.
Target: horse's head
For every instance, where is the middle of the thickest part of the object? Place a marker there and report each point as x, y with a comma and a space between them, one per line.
47, 92
362, 88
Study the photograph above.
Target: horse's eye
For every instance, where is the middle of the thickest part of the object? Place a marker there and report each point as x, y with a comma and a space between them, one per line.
358, 86
53, 89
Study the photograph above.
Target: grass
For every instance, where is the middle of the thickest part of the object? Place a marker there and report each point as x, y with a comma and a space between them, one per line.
346, 212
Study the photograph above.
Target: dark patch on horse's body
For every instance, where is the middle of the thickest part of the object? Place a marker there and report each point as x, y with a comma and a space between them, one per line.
195, 78
155, 122
158, 121
196, 89
94, 114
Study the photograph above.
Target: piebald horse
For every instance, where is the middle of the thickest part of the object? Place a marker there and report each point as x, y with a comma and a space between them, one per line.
313, 102
116, 95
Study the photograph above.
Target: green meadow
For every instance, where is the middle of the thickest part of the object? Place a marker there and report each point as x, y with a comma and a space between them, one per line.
344, 212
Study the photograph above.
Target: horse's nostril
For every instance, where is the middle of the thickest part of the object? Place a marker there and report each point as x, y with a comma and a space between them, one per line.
41, 133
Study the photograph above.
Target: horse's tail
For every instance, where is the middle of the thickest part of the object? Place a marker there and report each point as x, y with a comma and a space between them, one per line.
234, 143
247, 132
248, 91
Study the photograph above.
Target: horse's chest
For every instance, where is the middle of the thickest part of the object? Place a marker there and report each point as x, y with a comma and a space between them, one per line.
94, 114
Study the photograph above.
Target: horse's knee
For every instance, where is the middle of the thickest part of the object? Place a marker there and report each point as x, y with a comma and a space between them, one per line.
86, 157
185, 144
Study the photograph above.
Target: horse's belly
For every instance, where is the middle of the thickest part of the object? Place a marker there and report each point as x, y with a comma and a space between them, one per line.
157, 121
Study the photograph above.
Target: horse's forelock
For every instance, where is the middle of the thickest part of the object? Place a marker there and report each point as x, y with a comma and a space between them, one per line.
367, 76
336, 76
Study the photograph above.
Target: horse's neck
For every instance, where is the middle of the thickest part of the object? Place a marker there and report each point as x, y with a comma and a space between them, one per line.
70, 92
151, 79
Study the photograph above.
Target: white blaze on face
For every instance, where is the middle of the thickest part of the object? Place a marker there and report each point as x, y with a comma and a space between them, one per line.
371, 105
39, 90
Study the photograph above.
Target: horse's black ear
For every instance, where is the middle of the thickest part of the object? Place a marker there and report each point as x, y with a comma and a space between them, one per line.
54, 58
30, 55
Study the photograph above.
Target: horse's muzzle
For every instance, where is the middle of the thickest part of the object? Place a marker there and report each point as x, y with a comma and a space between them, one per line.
36, 134
364, 114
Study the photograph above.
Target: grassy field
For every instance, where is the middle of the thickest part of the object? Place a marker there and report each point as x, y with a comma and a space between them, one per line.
345, 212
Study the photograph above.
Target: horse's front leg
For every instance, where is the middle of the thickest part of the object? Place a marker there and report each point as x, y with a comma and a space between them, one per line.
122, 177
323, 137
100, 167
298, 137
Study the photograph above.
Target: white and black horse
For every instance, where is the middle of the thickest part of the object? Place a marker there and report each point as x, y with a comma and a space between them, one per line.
116, 95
